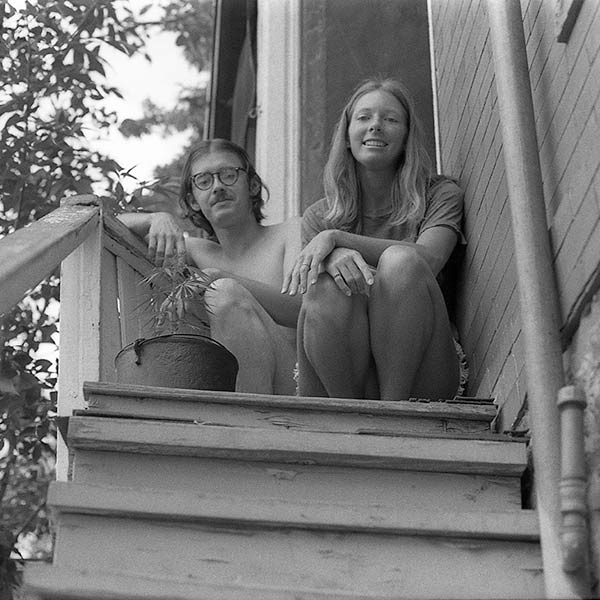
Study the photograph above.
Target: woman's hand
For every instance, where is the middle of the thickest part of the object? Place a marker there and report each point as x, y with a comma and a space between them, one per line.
350, 271
165, 238
309, 263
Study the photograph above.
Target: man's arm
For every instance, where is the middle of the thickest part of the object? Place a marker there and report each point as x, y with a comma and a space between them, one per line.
161, 232
282, 308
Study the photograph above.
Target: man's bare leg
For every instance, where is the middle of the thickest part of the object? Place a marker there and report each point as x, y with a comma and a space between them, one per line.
265, 351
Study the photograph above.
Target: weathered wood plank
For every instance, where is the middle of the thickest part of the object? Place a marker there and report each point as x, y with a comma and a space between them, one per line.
110, 323
187, 439
30, 254
228, 510
300, 482
53, 583
100, 394
362, 563
255, 480
135, 322
286, 419
122, 242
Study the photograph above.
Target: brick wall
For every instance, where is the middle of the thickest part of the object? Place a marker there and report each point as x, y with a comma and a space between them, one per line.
565, 83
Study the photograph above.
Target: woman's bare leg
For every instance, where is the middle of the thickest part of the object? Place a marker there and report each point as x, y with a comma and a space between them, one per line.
309, 383
411, 338
335, 339
266, 356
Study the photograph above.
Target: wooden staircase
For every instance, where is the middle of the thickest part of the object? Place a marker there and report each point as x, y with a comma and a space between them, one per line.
180, 494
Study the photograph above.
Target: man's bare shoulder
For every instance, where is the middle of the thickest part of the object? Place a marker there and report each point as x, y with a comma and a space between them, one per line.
202, 251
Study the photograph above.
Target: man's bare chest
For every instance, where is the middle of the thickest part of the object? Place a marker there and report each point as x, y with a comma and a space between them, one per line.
264, 263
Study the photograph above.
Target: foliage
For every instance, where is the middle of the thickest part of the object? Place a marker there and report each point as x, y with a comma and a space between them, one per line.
53, 94
192, 21
172, 290
52, 98
27, 429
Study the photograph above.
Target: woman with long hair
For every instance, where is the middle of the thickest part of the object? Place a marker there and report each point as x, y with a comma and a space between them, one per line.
373, 322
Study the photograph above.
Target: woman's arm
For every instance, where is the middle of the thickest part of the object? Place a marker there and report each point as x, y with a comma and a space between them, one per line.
435, 246
161, 231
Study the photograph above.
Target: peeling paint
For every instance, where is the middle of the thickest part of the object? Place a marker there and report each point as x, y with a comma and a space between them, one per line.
281, 474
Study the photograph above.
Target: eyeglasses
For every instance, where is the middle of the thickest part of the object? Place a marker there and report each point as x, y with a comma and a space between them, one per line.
227, 176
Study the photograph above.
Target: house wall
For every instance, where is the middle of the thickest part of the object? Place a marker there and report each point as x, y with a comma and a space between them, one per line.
341, 46
565, 86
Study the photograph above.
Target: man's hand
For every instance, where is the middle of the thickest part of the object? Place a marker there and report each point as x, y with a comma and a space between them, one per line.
350, 272
165, 238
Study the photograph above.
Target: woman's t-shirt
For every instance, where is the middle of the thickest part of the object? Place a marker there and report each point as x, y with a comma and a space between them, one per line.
444, 208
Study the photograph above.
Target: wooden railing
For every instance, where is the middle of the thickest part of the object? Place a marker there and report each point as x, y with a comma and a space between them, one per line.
102, 263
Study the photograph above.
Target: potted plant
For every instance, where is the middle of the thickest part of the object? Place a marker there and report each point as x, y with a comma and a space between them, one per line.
179, 356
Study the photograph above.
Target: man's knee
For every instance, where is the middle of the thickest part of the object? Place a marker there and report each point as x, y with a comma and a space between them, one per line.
226, 299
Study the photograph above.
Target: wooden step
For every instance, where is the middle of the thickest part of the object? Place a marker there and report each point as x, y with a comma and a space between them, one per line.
289, 412
411, 471
136, 503
45, 582
298, 481
342, 548
428, 453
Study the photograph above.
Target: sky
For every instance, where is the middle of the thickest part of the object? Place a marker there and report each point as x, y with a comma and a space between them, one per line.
138, 79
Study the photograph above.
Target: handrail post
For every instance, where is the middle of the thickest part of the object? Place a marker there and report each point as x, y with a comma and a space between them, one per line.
573, 483
536, 283
79, 350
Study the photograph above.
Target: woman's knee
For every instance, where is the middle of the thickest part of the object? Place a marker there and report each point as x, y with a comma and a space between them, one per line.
324, 300
403, 266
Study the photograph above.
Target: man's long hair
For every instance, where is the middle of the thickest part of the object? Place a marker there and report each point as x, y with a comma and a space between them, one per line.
341, 179
255, 184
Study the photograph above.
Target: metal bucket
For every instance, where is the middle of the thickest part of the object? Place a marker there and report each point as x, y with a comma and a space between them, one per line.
178, 361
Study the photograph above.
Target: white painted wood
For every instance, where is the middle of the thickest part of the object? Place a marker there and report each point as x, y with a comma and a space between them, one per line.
52, 583
122, 242
268, 414
300, 420
90, 328
231, 510
110, 324
135, 321
79, 349
278, 105
188, 439
30, 254
289, 482
433, 567
103, 395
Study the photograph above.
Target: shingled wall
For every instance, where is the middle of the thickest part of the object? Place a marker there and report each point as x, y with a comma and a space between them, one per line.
565, 82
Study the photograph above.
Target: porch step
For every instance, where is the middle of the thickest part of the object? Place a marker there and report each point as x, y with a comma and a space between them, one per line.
494, 455
393, 471
290, 412
200, 507
362, 549
43, 582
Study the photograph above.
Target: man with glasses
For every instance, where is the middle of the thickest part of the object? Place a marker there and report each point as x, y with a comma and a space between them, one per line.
246, 260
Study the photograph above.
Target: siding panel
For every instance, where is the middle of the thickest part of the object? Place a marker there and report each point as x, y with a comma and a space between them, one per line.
565, 82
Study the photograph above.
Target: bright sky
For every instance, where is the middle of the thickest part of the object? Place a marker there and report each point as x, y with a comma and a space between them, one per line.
138, 79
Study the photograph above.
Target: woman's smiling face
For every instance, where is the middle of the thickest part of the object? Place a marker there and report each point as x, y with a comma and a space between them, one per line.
377, 130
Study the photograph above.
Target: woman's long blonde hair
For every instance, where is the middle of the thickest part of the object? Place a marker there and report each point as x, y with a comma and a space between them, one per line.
341, 180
